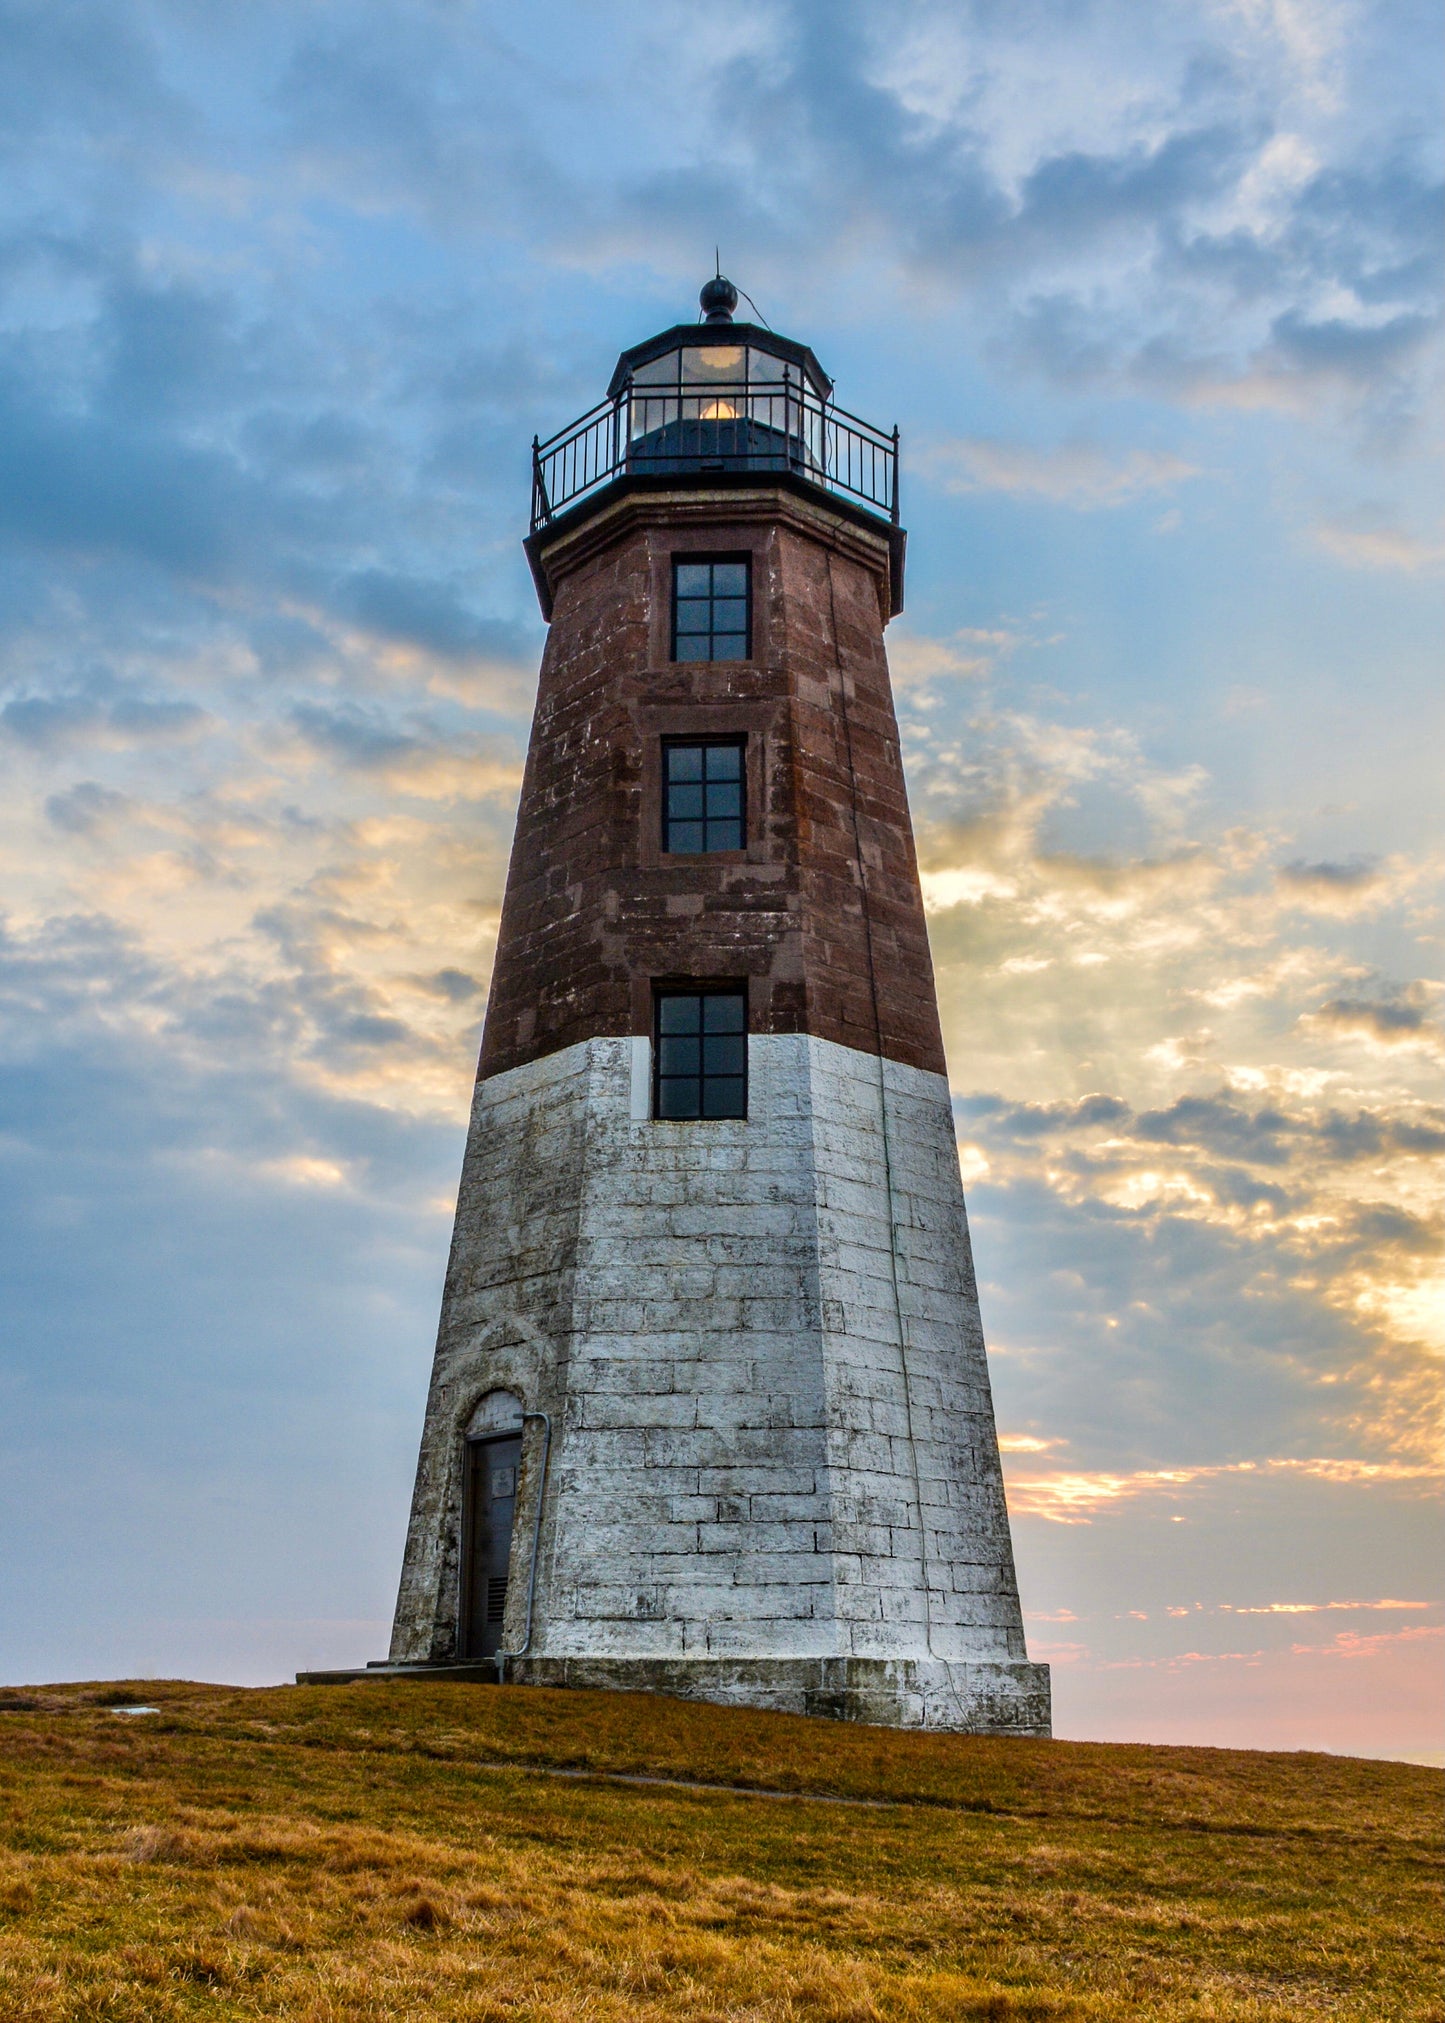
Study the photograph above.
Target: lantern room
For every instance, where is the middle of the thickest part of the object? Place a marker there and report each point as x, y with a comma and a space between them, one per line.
720, 403
718, 395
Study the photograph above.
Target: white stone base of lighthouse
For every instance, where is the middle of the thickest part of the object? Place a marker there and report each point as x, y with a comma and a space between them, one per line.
1002, 1699
760, 1460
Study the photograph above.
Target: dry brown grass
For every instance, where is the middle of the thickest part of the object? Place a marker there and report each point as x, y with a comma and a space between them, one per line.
342, 1855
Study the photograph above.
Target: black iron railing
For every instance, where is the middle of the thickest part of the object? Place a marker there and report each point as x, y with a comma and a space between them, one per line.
674, 426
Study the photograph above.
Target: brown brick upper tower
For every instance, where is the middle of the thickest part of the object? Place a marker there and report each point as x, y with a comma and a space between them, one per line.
819, 909
710, 1409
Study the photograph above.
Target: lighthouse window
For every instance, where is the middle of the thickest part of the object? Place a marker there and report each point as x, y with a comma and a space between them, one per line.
701, 1051
711, 615
702, 795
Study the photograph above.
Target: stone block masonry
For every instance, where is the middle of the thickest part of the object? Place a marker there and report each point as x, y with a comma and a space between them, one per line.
773, 1474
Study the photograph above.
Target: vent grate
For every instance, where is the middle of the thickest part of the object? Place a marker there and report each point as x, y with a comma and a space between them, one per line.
496, 1599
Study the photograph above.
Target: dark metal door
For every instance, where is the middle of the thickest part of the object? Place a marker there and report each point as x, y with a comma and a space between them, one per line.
490, 1499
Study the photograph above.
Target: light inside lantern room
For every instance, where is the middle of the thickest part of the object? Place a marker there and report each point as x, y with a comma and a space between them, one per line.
715, 362
723, 387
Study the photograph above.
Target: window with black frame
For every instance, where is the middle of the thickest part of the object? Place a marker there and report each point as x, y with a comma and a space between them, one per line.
711, 610
703, 795
700, 1051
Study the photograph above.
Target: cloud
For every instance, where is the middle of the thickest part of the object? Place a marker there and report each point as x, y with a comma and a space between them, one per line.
1078, 474
422, 760
98, 713
1318, 1608
453, 984
1389, 1022
427, 614
86, 808
914, 660
1064, 1497
1220, 1125
355, 736
67, 71
1328, 887
1170, 1173
1365, 547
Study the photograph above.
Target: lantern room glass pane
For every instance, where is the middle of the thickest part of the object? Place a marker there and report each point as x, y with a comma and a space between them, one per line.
708, 364
663, 371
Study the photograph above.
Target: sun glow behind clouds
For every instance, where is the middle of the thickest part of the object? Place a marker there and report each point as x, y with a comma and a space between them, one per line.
1179, 1067
1076, 1498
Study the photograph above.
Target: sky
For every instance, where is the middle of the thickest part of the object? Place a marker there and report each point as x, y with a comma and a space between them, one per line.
1152, 294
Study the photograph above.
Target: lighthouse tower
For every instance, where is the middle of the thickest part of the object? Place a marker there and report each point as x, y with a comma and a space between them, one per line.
710, 1410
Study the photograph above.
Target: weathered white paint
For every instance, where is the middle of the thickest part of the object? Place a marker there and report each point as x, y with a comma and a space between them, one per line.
760, 1345
641, 1080
499, 1412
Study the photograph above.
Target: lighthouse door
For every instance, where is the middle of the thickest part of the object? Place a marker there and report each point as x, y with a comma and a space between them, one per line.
488, 1504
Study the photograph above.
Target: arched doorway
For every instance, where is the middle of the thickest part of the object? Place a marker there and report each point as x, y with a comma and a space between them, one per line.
492, 1462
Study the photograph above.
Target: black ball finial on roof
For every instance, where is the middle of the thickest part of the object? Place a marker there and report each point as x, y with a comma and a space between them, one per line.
718, 299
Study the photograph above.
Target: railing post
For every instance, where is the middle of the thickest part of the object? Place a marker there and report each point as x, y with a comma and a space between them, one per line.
540, 511
895, 474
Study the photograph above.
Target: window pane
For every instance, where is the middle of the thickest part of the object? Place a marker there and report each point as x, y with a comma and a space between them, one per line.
678, 1014
724, 762
724, 836
694, 579
684, 762
678, 1053
729, 579
724, 797
657, 371
730, 614
722, 1054
702, 1073
684, 836
694, 614
726, 646
713, 362
695, 646
684, 802
677, 1099
723, 1097
722, 1012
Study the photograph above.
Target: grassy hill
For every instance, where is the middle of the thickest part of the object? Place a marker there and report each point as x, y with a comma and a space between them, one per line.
348, 1854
